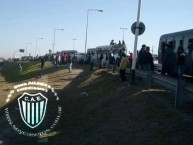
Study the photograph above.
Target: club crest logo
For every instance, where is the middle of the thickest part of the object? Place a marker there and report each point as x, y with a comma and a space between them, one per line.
32, 108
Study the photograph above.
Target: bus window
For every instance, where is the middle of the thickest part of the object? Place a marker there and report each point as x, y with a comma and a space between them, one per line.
163, 48
190, 41
172, 44
177, 44
181, 42
190, 45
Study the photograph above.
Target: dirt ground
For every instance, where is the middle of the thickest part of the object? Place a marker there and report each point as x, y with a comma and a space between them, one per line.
100, 110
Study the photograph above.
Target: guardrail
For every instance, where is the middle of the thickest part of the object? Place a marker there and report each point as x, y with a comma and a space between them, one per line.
180, 87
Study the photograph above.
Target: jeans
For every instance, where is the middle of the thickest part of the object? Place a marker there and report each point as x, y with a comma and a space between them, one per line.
180, 71
70, 66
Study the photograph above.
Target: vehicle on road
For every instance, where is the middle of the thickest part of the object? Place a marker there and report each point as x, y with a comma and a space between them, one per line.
105, 50
174, 40
80, 57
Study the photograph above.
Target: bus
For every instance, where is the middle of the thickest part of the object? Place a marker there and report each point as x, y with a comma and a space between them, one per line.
105, 49
174, 39
73, 52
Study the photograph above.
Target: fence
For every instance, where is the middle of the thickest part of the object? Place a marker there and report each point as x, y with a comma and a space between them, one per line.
181, 88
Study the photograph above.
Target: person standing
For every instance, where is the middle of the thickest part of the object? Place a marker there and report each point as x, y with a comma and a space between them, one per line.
53, 60
122, 67
189, 60
117, 62
181, 62
69, 63
141, 58
149, 65
59, 59
111, 62
100, 60
130, 59
91, 61
169, 61
42, 62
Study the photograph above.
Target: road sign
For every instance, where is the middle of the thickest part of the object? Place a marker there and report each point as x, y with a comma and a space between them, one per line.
21, 50
141, 28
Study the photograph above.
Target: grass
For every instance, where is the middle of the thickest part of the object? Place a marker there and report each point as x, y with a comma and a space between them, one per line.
128, 115
11, 71
112, 113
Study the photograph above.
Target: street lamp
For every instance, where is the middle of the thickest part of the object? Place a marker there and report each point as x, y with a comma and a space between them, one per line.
87, 25
74, 42
37, 45
54, 37
26, 48
39, 52
123, 31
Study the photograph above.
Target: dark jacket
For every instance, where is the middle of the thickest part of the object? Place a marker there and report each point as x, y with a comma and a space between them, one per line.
69, 59
101, 57
117, 61
141, 57
181, 59
169, 57
111, 60
148, 59
42, 60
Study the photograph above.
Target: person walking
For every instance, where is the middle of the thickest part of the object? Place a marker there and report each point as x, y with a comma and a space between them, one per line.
69, 63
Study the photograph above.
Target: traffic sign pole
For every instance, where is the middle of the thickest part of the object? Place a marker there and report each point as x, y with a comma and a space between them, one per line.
135, 44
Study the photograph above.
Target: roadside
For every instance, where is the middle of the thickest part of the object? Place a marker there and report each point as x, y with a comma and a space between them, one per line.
100, 110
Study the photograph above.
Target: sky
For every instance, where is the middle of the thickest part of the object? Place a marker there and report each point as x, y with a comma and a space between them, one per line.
23, 21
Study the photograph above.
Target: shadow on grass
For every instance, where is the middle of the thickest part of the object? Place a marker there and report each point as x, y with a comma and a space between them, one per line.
70, 98
91, 113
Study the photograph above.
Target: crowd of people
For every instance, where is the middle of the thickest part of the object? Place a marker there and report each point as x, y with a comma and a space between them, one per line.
145, 59
115, 62
183, 61
120, 61
59, 59
62, 58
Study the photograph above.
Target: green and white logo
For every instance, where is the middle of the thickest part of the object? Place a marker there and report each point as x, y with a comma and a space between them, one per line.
32, 108
37, 110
